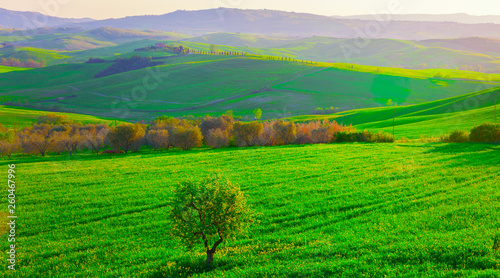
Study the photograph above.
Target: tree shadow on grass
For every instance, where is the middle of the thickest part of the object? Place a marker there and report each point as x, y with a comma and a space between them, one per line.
87, 156
468, 154
190, 266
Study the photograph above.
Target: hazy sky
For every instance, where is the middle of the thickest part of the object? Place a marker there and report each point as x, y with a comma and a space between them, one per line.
100, 9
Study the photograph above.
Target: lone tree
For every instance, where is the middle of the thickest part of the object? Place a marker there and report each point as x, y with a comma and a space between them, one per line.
211, 211
258, 113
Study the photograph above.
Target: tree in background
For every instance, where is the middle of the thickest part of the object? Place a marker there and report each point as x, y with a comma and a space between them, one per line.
213, 48
247, 134
286, 132
211, 211
8, 148
224, 123
217, 138
36, 139
187, 137
94, 137
68, 139
125, 136
258, 113
157, 139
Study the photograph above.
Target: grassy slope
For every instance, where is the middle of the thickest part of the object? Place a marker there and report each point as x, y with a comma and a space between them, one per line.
427, 119
4, 69
325, 210
207, 84
18, 117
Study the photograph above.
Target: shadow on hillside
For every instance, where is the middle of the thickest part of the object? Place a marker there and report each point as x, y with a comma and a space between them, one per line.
469, 154
93, 157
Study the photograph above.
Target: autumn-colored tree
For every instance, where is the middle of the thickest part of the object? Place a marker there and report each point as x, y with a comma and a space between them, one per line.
212, 211
157, 139
286, 132
187, 137
247, 134
304, 131
217, 138
8, 148
94, 137
267, 137
126, 136
224, 123
69, 139
37, 139
323, 134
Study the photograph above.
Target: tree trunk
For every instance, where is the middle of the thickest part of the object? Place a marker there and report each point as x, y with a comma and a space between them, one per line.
210, 257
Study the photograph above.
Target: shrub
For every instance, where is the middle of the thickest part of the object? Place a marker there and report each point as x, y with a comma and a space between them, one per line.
217, 138
322, 134
53, 119
364, 136
487, 132
286, 132
457, 136
345, 137
247, 134
403, 140
187, 137
383, 137
427, 139
157, 139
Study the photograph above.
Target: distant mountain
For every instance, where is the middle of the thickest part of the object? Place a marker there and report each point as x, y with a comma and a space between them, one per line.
271, 22
459, 18
32, 20
478, 45
72, 38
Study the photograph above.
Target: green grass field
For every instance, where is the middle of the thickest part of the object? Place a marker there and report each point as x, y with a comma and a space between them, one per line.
4, 69
354, 210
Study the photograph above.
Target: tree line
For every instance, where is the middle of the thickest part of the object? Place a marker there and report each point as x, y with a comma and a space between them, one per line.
57, 134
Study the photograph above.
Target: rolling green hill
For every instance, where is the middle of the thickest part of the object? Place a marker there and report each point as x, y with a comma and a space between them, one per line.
38, 55
212, 84
19, 117
427, 119
4, 69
